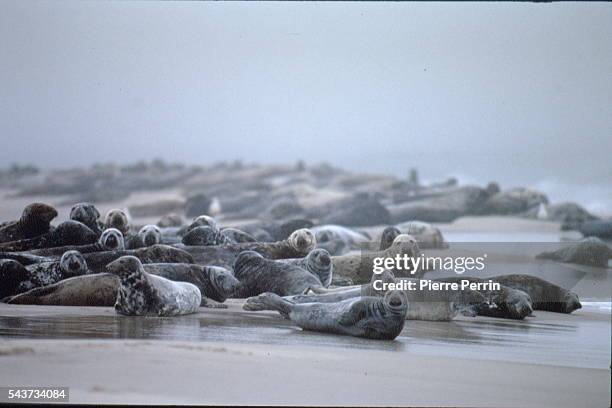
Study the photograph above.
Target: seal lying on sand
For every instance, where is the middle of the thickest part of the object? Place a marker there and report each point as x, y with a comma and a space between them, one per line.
299, 244
25, 278
426, 234
358, 267
110, 240
589, 251
143, 294
338, 240
88, 214
423, 304
97, 261
258, 275
387, 237
67, 233
148, 235
544, 295
506, 303
380, 318
117, 219
100, 289
35, 220
318, 262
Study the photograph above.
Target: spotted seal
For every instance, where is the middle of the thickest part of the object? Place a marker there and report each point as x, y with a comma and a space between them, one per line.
507, 302
143, 294
544, 295
299, 244
67, 233
35, 220
590, 251
318, 262
110, 240
97, 261
88, 214
118, 219
380, 318
100, 289
20, 279
258, 275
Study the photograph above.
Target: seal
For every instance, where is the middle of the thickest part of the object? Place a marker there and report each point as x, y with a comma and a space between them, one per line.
35, 220
205, 236
590, 251
358, 267
110, 240
237, 236
258, 275
170, 220
425, 234
271, 231
149, 235
318, 262
298, 245
71, 264
423, 304
380, 318
117, 219
544, 295
97, 261
387, 237
338, 240
143, 294
88, 214
100, 289
199, 221
67, 233
507, 303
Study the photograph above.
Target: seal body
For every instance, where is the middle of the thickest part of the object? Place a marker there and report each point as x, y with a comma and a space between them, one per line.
142, 294
35, 220
258, 275
110, 240
97, 261
318, 262
380, 318
67, 233
337, 239
589, 251
544, 295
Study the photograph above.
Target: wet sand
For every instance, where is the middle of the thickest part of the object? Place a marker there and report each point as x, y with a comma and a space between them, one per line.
235, 357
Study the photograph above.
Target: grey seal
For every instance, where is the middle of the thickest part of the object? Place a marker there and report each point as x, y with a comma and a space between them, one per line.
148, 235
258, 275
318, 262
387, 237
337, 239
67, 233
87, 214
380, 318
425, 234
22, 279
544, 295
299, 244
35, 220
508, 303
97, 261
144, 294
118, 219
110, 240
100, 289
589, 251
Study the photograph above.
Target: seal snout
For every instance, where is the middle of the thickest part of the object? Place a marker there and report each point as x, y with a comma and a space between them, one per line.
396, 300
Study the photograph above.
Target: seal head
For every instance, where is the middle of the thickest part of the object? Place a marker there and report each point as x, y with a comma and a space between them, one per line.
117, 219
318, 261
388, 237
87, 214
112, 240
150, 235
72, 263
302, 240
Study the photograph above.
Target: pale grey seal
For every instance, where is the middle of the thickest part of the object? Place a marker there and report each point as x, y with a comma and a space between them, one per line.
144, 294
380, 318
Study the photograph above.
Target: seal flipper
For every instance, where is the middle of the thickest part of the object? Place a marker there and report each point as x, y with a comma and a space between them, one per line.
207, 302
269, 301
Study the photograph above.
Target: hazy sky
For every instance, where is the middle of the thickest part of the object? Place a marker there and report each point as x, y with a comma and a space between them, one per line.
518, 92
